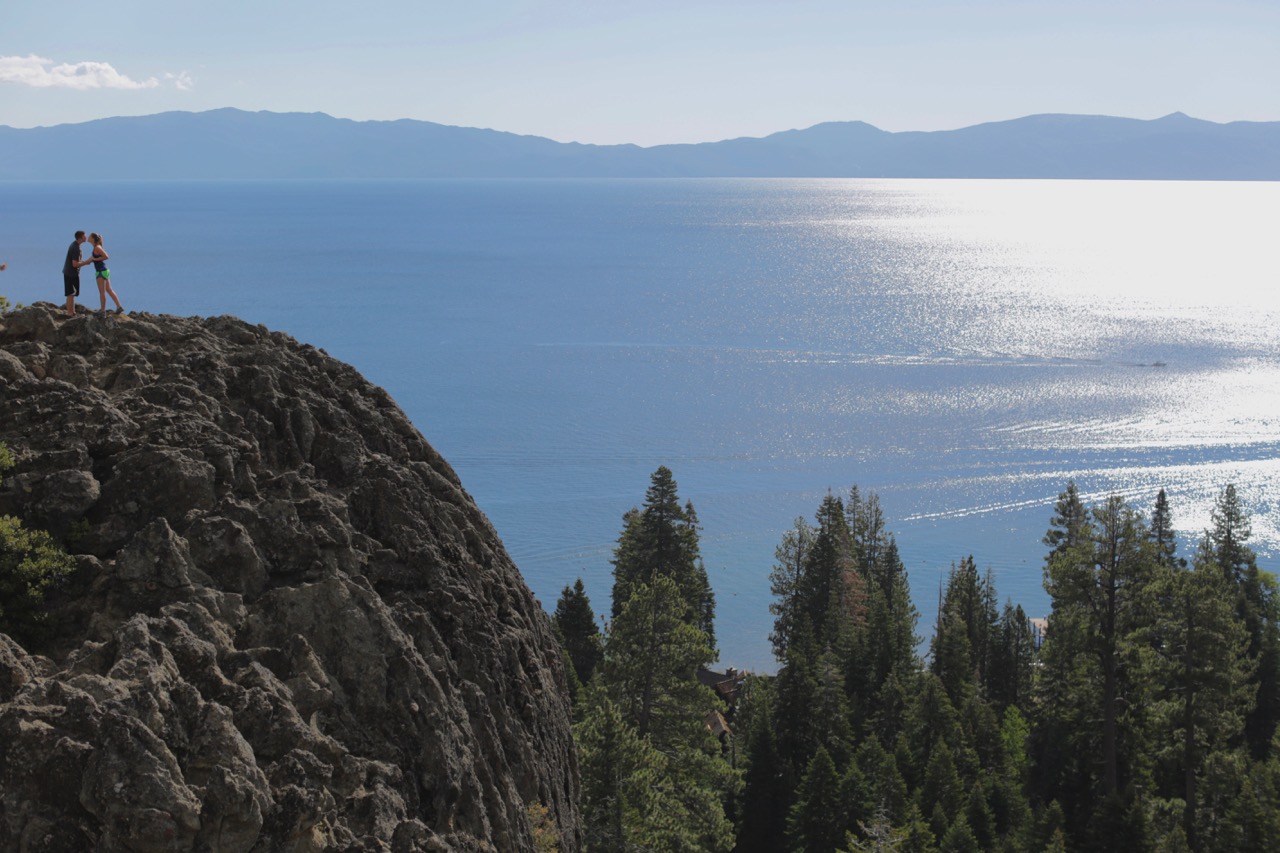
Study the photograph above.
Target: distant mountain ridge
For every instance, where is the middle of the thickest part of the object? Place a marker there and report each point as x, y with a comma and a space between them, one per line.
234, 144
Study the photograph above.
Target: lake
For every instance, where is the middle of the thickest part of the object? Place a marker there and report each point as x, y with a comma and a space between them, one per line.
960, 348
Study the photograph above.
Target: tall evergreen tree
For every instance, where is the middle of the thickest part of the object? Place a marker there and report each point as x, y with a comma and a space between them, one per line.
916, 835
891, 614
785, 582
1253, 820
651, 664
1067, 528
942, 787
886, 786
575, 624
1095, 586
1013, 660
830, 711
766, 795
871, 539
817, 820
1257, 604
959, 838
1091, 732
1201, 677
1230, 535
661, 540
832, 594
622, 778
652, 655
951, 654
931, 721
798, 737
1162, 534
877, 835
967, 624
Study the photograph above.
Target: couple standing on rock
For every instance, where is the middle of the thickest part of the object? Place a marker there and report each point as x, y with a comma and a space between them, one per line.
71, 273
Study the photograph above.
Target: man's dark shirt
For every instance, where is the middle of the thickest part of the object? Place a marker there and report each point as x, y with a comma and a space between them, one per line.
73, 256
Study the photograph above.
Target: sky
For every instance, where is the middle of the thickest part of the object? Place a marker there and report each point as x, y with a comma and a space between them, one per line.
648, 72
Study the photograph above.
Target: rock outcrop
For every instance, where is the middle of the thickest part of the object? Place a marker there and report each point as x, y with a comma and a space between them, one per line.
289, 629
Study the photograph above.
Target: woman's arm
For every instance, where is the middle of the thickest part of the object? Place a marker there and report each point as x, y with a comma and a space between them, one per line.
100, 254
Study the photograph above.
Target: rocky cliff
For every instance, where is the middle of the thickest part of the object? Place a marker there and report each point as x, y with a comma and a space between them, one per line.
289, 628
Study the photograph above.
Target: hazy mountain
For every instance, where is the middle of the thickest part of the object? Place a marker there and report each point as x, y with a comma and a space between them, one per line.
231, 143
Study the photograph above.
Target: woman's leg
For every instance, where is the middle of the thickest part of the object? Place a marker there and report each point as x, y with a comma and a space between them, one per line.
105, 289
102, 293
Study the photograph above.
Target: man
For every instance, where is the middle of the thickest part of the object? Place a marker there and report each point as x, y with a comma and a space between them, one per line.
71, 273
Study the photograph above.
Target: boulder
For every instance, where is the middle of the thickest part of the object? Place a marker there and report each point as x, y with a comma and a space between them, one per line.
290, 628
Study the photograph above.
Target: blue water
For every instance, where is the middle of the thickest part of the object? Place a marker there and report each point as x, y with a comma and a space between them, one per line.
961, 348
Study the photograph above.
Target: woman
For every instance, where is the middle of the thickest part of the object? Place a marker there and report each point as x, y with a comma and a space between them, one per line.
100, 258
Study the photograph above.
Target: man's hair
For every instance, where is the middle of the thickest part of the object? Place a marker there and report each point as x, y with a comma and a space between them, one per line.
79, 235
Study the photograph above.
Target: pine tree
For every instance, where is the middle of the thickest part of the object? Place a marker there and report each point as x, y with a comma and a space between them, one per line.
959, 838
652, 655
1253, 821
634, 797
950, 655
785, 582
871, 540
885, 785
1202, 671
1096, 586
1162, 534
892, 615
942, 786
830, 711
916, 835
1012, 660
766, 795
1257, 604
931, 718
796, 692
831, 593
661, 540
575, 625
967, 622
622, 777
890, 637
817, 820
1230, 535
1047, 833
978, 815
1067, 528
1091, 733
651, 662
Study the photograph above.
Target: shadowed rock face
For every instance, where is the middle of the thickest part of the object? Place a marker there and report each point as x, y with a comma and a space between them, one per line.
290, 628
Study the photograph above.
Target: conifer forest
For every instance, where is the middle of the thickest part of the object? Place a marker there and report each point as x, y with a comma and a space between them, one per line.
1140, 715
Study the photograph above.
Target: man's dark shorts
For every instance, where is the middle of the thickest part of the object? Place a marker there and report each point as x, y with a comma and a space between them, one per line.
70, 284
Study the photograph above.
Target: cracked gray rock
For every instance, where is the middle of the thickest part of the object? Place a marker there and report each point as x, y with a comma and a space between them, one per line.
290, 628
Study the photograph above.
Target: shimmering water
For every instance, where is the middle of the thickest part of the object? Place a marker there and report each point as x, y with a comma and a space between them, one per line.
962, 348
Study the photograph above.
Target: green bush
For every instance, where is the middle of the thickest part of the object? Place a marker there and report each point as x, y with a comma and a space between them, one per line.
31, 563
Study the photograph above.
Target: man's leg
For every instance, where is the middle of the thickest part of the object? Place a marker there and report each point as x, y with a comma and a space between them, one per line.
71, 287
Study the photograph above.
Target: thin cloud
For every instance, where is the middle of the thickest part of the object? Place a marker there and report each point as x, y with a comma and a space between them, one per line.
181, 81
43, 73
